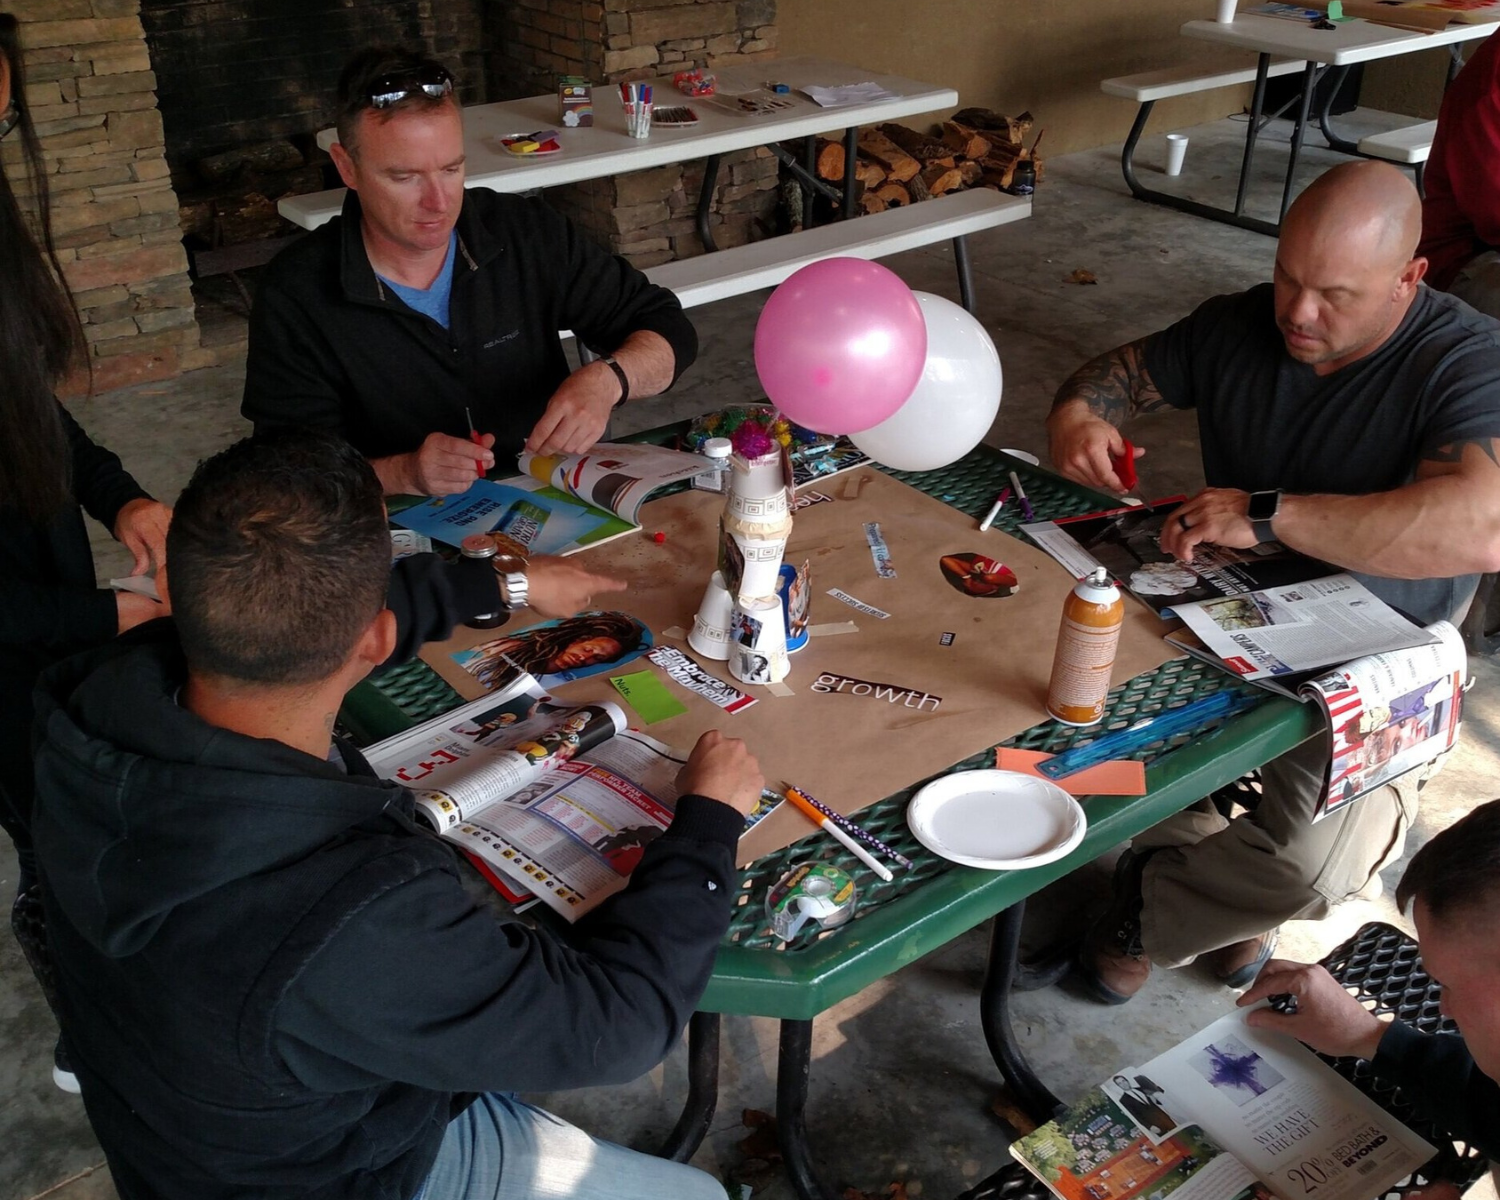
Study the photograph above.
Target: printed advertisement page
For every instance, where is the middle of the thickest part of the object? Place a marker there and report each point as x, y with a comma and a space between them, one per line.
1390, 713
1095, 1151
522, 520
617, 476
576, 831
1299, 627
1306, 1133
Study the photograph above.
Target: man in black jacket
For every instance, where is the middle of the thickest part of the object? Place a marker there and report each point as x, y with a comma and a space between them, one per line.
423, 300
1453, 887
273, 981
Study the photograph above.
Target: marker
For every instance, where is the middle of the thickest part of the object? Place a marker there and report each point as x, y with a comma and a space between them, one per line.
989, 517
837, 834
1021, 496
476, 439
858, 833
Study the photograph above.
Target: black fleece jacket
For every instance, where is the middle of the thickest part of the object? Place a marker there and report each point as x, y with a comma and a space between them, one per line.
1442, 1078
50, 606
274, 983
331, 346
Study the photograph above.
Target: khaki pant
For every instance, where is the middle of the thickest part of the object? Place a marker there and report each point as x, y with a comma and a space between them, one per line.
1212, 882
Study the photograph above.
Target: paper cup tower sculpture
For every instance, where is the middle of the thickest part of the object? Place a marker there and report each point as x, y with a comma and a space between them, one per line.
753, 531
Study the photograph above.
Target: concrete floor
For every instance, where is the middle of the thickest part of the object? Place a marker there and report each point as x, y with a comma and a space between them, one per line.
902, 1084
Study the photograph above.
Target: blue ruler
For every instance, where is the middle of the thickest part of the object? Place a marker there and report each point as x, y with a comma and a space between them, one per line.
1127, 741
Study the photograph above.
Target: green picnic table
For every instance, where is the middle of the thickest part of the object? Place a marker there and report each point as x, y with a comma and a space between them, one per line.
922, 909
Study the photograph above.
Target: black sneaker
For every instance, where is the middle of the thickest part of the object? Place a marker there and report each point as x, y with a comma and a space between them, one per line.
1112, 963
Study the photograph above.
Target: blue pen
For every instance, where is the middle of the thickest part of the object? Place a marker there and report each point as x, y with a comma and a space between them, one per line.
1144, 733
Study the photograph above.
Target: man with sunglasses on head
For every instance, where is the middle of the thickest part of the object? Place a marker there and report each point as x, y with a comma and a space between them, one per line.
426, 303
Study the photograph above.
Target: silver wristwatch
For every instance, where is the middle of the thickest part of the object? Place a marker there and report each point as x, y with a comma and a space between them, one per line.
514, 589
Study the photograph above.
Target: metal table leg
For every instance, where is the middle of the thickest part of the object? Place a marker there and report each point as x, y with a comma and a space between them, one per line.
1252, 132
703, 1089
810, 165
851, 154
965, 272
793, 1064
705, 202
994, 1015
1335, 76
1299, 130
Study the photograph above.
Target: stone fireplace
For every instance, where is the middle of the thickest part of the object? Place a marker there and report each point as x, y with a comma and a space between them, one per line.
131, 97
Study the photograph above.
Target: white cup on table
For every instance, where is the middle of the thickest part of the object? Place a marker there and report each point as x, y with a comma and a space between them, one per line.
1225, 13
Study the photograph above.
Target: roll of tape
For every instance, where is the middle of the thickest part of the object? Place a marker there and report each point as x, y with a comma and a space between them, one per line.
813, 892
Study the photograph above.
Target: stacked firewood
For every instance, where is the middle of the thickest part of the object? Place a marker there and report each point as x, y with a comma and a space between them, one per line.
896, 165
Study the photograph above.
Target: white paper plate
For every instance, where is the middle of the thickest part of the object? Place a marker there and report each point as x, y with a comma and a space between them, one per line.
998, 820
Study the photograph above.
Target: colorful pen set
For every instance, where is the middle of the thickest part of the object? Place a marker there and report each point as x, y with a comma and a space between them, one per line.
636, 97
846, 832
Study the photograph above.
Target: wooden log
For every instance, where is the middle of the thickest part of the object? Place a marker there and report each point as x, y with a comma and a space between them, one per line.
871, 203
921, 147
830, 161
986, 120
871, 174
918, 189
940, 179
970, 172
900, 165
893, 194
969, 143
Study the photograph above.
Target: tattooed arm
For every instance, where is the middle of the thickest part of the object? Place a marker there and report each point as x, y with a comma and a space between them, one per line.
1083, 427
1445, 522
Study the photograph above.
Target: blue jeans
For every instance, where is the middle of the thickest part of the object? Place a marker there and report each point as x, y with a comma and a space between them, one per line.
501, 1148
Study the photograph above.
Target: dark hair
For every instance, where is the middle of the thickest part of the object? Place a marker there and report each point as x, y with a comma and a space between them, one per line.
536, 650
280, 558
1458, 869
40, 336
374, 63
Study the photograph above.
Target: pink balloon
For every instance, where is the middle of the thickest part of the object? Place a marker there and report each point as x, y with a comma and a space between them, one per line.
840, 345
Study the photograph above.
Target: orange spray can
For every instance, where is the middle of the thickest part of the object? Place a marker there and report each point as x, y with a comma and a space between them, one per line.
1086, 642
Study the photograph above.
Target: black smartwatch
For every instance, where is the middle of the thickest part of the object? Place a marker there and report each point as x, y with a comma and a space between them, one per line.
609, 361
1262, 511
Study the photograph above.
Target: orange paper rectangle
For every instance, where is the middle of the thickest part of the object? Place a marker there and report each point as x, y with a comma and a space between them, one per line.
1119, 777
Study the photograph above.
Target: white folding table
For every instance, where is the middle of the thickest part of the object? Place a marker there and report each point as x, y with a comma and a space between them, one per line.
605, 149
1321, 50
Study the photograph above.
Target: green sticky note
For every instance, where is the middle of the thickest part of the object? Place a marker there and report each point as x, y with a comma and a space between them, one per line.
648, 695
1335, 10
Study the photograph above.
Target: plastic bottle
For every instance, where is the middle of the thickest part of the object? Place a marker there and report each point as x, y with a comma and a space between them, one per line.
715, 475
1086, 642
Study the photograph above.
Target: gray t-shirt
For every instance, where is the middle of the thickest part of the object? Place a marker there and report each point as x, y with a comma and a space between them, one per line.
1266, 420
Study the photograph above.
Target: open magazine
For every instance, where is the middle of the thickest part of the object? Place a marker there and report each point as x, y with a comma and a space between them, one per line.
1265, 614
616, 476
1424, 15
556, 802
1231, 1113
523, 518
551, 803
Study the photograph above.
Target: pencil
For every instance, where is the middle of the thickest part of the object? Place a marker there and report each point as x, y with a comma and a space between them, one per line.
800, 803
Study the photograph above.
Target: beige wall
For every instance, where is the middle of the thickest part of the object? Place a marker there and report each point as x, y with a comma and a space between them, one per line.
1013, 55
1049, 57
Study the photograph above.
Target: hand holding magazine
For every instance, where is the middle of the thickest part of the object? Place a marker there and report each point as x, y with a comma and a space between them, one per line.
1231, 1113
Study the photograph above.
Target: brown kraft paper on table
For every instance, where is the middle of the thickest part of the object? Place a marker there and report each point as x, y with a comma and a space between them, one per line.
851, 750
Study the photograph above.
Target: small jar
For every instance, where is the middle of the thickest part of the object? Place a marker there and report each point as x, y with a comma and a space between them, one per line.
482, 546
715, 475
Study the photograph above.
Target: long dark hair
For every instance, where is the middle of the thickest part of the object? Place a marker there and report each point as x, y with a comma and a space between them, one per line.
40, 336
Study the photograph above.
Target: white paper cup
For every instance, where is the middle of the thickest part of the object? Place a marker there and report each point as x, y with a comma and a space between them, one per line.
1224, 16
762, 565
757, 478
757, 642
1177, 144
710, 633
758, 510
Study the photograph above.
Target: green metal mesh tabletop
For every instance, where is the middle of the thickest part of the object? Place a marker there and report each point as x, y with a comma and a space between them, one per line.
922, 909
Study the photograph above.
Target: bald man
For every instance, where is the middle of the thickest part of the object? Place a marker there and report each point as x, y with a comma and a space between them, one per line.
1347, 411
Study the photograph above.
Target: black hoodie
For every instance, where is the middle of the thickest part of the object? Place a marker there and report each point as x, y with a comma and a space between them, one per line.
274, 983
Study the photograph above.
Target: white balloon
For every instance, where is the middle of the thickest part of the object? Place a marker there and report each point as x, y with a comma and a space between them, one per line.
955, 401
